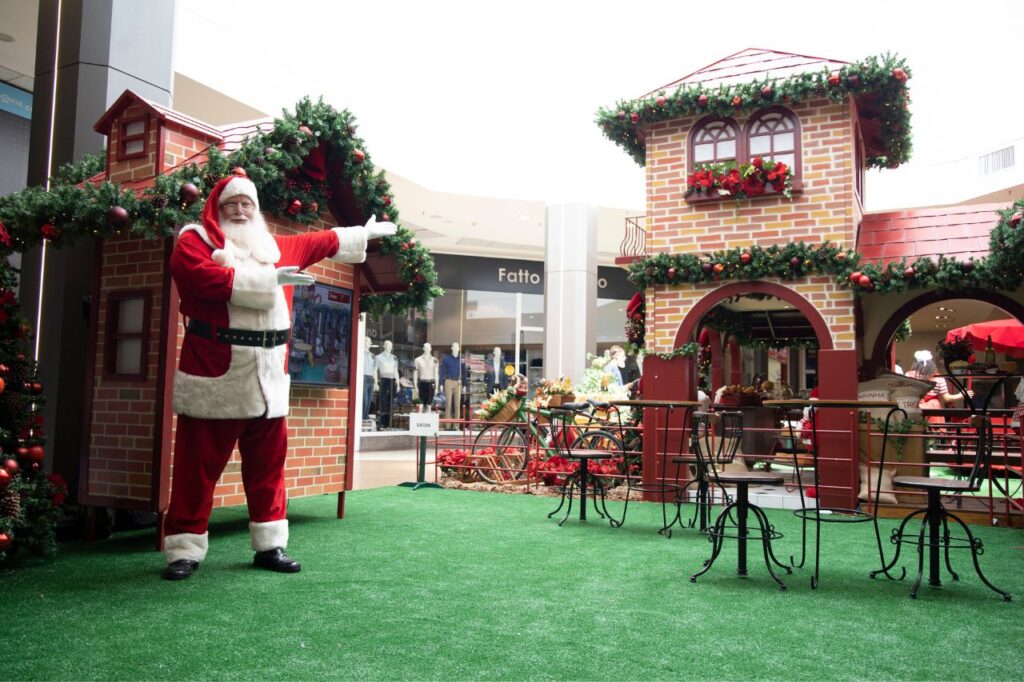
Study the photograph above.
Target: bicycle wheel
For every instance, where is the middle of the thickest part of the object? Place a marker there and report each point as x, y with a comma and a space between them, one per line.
600, 440
499, 453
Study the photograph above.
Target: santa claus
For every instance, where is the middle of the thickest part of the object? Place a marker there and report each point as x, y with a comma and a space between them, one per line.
234, 279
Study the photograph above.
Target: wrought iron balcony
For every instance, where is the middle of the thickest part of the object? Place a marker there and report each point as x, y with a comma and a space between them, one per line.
634, 241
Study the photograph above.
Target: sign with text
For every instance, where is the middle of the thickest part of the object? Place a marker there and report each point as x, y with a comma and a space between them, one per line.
424, 423
522, 276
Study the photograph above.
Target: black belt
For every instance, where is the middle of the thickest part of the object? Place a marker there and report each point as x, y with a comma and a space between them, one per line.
239, 337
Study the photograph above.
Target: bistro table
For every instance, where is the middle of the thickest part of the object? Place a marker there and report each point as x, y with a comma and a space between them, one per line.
660, 486
818, 514
581, 477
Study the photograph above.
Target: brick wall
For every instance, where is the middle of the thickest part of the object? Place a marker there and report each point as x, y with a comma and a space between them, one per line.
826, 209
181, 147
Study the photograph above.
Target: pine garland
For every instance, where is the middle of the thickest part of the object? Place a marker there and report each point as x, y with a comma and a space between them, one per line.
883, 79
273, 161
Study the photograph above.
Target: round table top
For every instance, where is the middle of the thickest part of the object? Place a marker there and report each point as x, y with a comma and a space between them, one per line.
654, 403
302, 345
825, 402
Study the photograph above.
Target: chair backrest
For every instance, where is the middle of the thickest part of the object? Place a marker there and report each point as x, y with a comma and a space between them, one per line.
715, 438
564, 430
982, 463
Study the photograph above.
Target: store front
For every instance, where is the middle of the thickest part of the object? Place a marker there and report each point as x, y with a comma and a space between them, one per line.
494, 309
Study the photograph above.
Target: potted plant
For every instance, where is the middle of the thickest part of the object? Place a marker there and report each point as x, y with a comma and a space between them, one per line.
956, 354
555, 392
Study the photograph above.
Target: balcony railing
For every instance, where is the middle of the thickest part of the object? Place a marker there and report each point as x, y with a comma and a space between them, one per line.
634, 242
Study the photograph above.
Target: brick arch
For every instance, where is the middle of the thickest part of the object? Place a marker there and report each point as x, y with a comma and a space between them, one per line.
688, 327
884, 338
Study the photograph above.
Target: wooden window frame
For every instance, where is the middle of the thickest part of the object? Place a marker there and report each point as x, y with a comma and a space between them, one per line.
123, 138
704, 122
111, 336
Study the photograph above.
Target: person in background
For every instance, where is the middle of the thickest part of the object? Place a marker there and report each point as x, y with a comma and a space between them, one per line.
939, 397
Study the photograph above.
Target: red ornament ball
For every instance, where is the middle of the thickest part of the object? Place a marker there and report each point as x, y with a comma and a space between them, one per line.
855, 277
634, 117
117, 217
706, 268
1016, 218
967, 266
5, 542
269, 151
239, 172
358, 156
718, 268
4, 369
48, 231
737, 100
314, 207
386, 200
620, 113
189, 194
671, 273
841, 256
702, 100
661, 101
36, 453
909, 274
795, 262
745, 258
900, 75
766, 92
37, 387
11, 466
5, 478
295, 206
834, 79
305, 130
853, 80
22, 452
864, 281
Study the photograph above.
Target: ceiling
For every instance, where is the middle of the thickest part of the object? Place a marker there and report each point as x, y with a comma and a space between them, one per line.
18, 43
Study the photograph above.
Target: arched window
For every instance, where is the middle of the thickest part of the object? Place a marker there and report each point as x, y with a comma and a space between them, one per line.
775, 134
714, 141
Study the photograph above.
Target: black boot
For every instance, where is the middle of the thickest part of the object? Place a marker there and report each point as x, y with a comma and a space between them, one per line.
276, 560
180, 569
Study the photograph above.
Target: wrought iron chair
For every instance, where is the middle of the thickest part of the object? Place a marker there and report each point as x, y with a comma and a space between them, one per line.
715, 448
592, 444
934, 534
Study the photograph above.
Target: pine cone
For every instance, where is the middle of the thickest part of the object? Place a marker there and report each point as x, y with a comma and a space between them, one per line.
650, 270
10, 504
19, 373
14, 409
159, 201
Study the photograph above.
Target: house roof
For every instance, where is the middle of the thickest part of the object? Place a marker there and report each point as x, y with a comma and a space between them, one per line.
127, 98
952, 231
752, 64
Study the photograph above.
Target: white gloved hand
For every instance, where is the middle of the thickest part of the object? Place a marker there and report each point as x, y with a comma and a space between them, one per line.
290, 275
375, 230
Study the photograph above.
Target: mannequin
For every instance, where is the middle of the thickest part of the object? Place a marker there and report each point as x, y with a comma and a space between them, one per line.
387, 384
424, 377
494, 375
451, 377
369, 377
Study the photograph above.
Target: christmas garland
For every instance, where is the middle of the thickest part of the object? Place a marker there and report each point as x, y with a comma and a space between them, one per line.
882, 78
731, 324
287, 165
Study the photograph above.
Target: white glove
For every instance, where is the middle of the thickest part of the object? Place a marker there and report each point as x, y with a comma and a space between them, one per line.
375, 230
290, 275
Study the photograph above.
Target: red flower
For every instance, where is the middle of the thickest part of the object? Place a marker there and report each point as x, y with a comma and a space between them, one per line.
60, 488
5, 238
757, 162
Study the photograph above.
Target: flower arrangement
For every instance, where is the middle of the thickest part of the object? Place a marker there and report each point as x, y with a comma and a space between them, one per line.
752, 179
550, 387
494, 404
956, 350
453, 462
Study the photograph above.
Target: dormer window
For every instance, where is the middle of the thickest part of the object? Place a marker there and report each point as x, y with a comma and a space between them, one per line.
134, 138
715, 141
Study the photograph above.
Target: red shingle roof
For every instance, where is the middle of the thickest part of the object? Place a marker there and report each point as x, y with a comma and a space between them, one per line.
957, 231
752, 64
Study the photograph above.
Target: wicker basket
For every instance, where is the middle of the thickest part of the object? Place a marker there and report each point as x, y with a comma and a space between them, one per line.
507, 411
559, 400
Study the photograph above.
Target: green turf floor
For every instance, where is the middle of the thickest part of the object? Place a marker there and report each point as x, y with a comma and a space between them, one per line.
447, 584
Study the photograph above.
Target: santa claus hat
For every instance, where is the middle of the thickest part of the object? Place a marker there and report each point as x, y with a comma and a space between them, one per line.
238, 183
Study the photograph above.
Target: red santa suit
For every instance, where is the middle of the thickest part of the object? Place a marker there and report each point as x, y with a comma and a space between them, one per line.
231, 384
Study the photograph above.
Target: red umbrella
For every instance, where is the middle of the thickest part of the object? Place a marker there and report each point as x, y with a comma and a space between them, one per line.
1007, 336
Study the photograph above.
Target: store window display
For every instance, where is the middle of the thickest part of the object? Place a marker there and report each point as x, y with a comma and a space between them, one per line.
452, 375
369, 377
425, 375
386, 365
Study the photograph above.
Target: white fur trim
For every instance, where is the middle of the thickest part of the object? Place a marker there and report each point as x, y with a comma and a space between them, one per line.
198, 229
269, 534
223, 257
351, 244
239, 186
186, 546
255, 287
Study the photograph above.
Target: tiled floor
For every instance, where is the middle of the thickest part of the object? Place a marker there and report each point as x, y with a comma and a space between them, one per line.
388, 467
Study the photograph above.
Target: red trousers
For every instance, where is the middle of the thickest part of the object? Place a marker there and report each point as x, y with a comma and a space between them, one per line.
202, 448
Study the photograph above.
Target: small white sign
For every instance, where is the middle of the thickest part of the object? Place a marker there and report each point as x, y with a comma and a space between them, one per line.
424, 423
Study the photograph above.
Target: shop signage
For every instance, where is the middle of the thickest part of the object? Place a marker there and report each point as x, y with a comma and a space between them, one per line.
517, 276
15, 101
423, 423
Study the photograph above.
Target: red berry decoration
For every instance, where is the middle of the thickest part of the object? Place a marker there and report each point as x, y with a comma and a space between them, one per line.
855, 277
702, 101
795, 262
864, 281
5, 542
189, 194
36, 453
634, 117
834, 79
737, 100
671, 273
117, 217
305, 130
745, 258
358, 156
1016, 218
295, 206
48, 231
909, 274
967, 266
900, 75
661, 101
766, 92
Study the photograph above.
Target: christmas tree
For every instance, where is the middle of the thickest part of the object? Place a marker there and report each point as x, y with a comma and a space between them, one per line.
29, 499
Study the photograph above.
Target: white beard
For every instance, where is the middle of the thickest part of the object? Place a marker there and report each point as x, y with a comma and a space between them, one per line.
251, 238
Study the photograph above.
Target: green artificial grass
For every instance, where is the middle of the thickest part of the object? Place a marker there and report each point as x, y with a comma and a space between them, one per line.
446, 584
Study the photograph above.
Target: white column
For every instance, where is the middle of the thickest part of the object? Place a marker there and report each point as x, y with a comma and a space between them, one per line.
570, 289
